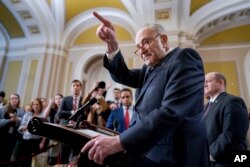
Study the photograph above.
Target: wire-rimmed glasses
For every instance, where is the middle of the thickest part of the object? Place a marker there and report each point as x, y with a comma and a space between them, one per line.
144, 45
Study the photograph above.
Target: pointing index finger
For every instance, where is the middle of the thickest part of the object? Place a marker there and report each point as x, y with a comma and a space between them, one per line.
102, 19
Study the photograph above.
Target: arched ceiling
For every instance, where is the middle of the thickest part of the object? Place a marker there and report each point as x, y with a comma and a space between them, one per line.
76, 7
70, 22
197, 4
9, 21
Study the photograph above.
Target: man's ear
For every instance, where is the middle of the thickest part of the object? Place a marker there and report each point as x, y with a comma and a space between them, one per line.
164, 37
164, 40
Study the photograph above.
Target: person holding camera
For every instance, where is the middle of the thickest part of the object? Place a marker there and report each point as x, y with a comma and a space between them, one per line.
99, 112
10, 118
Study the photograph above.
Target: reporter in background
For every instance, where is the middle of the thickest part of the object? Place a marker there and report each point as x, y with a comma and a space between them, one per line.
169, 87
51, 113
68, 107
98, 113
31, 143
226, 119
10, 118
116, 102
120, 118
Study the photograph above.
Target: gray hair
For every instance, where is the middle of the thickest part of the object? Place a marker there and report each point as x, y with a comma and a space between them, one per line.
157, 27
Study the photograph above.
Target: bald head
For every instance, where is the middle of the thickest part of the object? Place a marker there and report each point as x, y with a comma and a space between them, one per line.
215, 83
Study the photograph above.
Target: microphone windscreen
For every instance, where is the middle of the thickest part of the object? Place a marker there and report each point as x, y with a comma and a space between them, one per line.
102, 84
92, 101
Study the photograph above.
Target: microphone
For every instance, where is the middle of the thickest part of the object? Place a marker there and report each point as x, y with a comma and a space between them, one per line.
81, 110
115, 124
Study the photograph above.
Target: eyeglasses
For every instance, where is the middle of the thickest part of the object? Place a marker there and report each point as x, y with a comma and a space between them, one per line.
145, 45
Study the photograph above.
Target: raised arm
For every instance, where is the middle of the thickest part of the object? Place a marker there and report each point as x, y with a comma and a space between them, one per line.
106, 32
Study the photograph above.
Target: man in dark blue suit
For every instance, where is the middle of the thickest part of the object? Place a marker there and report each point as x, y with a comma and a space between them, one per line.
226, 119
168, 131
117, 118
68, 107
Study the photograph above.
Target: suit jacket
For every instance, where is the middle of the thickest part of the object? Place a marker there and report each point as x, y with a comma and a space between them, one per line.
66, 107
227, 125
168, 106
116, 117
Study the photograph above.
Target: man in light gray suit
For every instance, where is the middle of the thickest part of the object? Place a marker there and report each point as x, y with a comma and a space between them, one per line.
168, 131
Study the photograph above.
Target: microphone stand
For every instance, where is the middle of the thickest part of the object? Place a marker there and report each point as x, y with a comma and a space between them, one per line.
79, 120
80, 111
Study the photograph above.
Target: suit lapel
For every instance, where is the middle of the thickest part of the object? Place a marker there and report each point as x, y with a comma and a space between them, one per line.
120, 117
80, 102
155, 73
120, 113
209, 108
216, 103
148, 82
220, 97
140, 81
71, 100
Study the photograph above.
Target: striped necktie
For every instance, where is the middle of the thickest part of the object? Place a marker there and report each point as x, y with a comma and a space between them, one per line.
75, 107
126, 118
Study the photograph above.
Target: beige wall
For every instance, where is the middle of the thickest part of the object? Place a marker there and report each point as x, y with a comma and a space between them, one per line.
229, 60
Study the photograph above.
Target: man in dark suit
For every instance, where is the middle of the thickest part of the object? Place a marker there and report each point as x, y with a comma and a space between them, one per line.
117, 97
168, 131
117, 118
226, 118
69, 106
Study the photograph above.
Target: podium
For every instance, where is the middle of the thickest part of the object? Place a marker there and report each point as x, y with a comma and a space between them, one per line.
77, 138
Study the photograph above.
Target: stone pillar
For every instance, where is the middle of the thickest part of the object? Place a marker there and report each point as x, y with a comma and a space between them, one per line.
187, 40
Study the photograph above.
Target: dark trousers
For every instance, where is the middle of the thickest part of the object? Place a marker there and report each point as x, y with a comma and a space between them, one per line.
66, 153
6, 149
26, 148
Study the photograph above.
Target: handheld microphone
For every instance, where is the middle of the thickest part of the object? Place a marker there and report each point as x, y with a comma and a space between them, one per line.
81, 110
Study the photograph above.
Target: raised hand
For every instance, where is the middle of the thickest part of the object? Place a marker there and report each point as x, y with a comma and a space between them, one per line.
106, 32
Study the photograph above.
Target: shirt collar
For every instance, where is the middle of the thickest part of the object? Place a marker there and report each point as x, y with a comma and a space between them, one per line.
212, 99
76, 97
124, 107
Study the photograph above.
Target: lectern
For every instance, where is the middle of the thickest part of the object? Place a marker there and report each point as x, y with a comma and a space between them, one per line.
77, 138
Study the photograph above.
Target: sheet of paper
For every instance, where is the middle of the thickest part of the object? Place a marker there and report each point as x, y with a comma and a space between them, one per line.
90, 133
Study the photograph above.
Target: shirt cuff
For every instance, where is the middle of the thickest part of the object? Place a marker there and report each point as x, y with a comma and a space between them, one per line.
111, 55
211, 158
